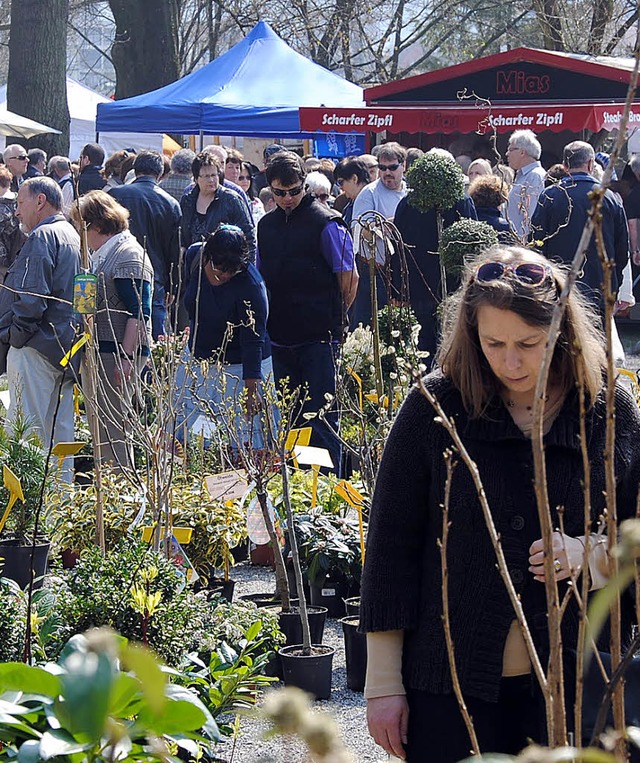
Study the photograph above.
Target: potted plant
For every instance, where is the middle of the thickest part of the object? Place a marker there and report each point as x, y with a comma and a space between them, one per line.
21, 541
70, 515
218, 527
330, 548
307, 665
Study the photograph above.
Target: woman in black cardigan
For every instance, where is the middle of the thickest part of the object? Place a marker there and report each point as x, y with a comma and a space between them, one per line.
492, 349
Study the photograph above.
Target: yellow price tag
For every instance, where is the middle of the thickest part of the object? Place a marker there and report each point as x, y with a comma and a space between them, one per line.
181, 534
64, 449
354, 498
80, 343
14, 486
347, 491
298, 437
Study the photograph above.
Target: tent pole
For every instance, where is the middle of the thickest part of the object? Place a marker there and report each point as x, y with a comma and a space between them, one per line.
201, 140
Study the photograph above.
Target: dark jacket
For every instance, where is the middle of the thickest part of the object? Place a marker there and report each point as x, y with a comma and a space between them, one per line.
402, 579
226, 207
559, 219
240, 303
419, 231
90, 179
155, 222
46, 265
493, 217
305, 301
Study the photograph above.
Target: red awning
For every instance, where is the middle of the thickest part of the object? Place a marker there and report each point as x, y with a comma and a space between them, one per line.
466, 119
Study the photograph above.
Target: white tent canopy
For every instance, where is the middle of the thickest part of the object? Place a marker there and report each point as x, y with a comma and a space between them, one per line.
83, 104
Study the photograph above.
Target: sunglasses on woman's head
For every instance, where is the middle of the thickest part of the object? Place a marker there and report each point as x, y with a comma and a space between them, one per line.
291, 191
528, 273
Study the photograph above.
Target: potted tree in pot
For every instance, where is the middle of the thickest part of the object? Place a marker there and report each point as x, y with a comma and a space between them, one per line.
307, 665
21, 542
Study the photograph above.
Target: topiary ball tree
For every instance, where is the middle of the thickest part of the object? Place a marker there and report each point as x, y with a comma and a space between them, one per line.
435, 181
462, 240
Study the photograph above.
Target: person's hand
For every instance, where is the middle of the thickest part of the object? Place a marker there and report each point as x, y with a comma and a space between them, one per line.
621, 306
568, 555
122, 372
388, 718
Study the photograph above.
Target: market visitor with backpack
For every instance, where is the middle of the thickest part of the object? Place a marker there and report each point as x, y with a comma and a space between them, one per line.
495, 331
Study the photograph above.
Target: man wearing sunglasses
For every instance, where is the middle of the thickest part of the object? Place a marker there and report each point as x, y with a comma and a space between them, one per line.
383, 196
17, 161
305, 255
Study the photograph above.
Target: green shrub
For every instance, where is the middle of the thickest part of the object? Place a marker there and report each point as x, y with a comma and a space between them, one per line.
107, 590
463, 240
435, 181
13, 620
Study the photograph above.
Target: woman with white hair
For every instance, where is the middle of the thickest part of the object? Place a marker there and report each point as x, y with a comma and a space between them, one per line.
318, 184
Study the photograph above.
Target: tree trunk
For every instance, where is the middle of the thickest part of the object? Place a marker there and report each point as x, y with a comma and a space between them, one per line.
36, 82
145, 49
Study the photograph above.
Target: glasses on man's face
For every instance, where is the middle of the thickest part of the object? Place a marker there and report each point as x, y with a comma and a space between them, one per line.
281, 192
389, 167
21, 158
528, 273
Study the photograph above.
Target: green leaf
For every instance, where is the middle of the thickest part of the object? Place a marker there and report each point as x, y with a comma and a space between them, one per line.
86, 689
59, 742
125, 694
600, 606
144, 664
16, 676
253, 630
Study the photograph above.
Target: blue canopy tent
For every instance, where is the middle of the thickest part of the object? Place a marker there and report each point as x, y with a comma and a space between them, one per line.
253, 90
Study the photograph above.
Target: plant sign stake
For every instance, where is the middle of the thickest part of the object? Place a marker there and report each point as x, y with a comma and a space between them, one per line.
14, 486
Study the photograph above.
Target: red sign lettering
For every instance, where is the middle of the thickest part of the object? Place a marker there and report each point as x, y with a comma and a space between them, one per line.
517, 82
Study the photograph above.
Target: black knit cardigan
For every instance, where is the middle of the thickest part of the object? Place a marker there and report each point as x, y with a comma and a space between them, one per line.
401, 584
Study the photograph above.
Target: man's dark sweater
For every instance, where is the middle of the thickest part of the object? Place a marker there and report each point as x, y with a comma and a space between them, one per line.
90, 179
241, 302
402, 581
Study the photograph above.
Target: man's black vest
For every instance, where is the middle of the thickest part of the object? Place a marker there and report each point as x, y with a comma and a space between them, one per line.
305, 302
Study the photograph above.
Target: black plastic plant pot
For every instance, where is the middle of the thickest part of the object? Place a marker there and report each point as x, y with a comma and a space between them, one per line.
223, 587
353, 605
291, 625
240, 553
265, 599
311, 673
331, 594
17, 562
355, 652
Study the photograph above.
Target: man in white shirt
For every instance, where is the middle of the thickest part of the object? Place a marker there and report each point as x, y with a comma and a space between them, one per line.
523, 155
381, 196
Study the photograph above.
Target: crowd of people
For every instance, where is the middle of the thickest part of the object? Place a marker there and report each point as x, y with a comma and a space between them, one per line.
299, 242
268, 268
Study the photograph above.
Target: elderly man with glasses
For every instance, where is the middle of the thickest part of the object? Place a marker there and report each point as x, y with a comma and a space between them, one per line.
17, 161
305, 255
382, 196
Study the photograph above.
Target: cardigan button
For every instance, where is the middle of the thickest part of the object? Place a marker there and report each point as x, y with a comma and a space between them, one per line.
517, 522
517, 576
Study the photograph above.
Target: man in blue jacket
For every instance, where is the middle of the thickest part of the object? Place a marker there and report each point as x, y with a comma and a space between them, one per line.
562, 213
155, 222
36, 313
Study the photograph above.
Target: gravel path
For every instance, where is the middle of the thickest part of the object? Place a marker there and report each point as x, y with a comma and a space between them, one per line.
347, 707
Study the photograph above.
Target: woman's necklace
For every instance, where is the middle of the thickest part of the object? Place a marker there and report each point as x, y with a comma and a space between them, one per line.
513, 404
